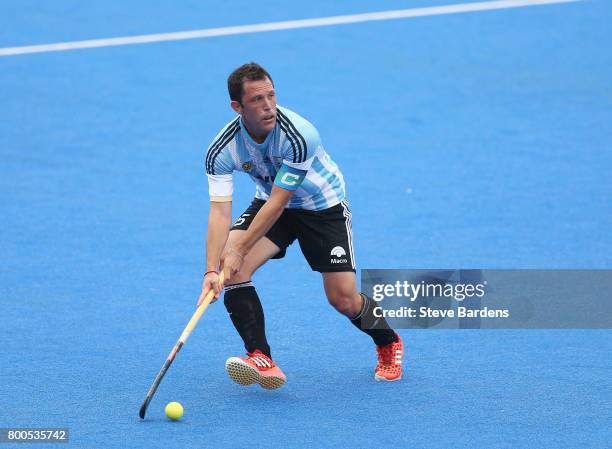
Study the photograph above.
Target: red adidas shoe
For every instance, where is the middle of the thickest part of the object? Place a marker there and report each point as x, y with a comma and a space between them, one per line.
389, 367
255, 368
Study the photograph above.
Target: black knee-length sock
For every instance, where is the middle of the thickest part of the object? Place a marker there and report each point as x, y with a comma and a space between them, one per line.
244, 308
375, 327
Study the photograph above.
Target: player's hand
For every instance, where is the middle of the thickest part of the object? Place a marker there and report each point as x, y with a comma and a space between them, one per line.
211, 281
232, 261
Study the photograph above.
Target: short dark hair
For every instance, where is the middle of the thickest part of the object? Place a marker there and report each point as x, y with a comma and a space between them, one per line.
246, 72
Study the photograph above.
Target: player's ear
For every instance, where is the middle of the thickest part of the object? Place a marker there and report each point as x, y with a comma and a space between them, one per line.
236, 106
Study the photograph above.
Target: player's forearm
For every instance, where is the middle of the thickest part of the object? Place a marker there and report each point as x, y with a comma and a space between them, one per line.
218, 231
263, 221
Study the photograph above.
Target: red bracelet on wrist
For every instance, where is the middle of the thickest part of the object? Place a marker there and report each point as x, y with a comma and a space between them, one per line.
211, 271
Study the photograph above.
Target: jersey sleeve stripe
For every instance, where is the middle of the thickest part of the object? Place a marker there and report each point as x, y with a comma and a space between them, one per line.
228, 129
220, 141
291, 140
304, 156
219, 145
215, 146
283, 120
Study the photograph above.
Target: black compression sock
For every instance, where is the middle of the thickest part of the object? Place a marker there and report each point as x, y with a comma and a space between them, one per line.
244, 307
375, 327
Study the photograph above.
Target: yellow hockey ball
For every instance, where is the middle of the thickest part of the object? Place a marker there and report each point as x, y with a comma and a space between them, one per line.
174, 411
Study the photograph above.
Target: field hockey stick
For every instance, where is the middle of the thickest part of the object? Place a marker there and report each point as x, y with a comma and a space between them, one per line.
177, 347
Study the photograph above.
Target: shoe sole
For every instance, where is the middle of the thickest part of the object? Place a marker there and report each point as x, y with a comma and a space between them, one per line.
384, 379
244, 374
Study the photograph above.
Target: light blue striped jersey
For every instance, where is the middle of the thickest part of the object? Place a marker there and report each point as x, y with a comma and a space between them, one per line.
294, 142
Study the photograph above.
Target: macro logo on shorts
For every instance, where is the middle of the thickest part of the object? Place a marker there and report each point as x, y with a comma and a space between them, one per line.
338, 254
247, 166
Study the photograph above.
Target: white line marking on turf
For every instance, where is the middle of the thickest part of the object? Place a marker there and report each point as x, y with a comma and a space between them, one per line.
275, 26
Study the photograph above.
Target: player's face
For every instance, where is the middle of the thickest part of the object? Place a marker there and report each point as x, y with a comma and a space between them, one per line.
258, 107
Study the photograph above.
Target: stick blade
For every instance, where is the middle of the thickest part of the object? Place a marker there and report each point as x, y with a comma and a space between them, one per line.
156, 382
143, 408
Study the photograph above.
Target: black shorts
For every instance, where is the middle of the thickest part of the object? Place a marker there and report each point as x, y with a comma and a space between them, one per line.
325, 236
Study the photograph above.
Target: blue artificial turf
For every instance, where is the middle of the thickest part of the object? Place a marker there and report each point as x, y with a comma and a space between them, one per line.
477, 140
